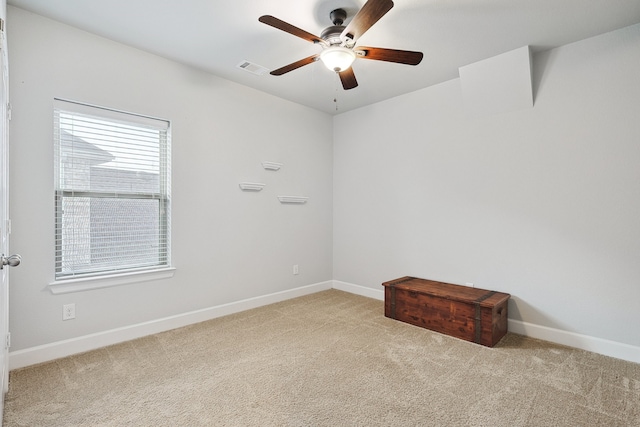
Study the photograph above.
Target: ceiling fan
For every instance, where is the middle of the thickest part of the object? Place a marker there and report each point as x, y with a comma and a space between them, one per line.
338, 42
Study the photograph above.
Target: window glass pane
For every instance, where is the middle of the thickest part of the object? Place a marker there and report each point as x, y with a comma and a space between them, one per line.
131, 225
121, 157
112, 191
74, 254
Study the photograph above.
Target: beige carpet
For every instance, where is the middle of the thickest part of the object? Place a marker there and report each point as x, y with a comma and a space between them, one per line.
328, 359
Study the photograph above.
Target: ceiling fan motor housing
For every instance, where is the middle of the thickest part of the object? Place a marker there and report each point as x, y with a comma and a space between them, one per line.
332, 34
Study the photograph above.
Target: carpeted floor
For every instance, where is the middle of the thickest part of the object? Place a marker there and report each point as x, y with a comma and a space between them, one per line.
328, 359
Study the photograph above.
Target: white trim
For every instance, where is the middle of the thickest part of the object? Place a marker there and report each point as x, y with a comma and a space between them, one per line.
583, 342
88, 283
359, 290
571, 339
56, 350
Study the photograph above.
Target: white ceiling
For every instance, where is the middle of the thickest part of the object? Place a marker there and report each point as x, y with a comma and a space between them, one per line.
216, 36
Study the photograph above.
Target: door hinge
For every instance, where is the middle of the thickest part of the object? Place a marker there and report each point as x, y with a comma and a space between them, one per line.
8, 111
8, 343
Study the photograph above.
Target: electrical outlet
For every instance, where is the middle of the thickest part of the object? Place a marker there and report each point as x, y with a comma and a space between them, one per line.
470, 284
295, 269
68, 311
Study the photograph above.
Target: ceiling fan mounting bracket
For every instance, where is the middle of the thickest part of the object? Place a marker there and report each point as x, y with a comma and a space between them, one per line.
338, 16
348, 40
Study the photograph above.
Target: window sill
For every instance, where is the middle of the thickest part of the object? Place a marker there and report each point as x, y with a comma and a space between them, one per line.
88, 283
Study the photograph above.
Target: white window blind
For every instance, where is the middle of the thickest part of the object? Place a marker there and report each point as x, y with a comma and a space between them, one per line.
112, 191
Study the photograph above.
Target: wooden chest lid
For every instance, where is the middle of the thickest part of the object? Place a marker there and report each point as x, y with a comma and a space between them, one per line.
449, 291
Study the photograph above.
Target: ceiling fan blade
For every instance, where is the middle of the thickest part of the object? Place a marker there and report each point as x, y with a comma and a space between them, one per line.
370, 13
348, 79
294, 65
390, 55
286, 27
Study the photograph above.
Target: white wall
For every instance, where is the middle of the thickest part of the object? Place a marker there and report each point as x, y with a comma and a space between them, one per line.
227, 245
543, 203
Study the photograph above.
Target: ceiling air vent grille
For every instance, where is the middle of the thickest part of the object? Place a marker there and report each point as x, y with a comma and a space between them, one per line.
252, 68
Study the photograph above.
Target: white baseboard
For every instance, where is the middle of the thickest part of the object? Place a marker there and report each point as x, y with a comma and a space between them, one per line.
56, 350
571, 339
359, 290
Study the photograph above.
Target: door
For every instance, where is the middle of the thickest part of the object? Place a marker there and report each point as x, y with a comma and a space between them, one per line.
4, 216
5, 260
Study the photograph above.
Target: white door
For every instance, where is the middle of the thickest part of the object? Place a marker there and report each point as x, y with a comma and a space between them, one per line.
5, 259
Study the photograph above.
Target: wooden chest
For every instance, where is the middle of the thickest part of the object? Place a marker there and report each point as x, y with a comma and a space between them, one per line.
472, 314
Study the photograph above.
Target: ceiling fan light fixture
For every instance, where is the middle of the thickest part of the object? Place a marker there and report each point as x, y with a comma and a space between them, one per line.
337, 58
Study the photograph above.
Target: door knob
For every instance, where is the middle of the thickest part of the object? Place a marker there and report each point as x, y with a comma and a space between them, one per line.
11, 261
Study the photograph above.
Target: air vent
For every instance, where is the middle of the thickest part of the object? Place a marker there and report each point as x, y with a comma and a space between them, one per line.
252, 68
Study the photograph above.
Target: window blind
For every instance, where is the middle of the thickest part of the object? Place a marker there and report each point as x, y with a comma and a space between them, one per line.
112, 191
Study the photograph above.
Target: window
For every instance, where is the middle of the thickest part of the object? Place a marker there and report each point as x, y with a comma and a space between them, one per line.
112, 192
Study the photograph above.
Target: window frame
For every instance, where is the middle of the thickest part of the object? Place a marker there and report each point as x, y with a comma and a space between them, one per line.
113, 277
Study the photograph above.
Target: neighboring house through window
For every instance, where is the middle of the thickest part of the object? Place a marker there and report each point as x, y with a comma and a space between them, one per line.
112, 192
